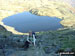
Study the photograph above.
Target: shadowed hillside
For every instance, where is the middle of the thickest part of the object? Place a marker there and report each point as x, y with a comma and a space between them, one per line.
48, 43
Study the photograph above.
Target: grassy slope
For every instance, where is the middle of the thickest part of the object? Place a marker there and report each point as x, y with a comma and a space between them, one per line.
65, 38
4, 32
40, 7
56, 9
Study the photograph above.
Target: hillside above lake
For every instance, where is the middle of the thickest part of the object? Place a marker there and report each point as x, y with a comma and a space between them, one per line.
53, 8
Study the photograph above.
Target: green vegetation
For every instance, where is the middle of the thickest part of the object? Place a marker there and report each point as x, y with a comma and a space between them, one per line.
63, 38
68, 42
4, 33
48, 42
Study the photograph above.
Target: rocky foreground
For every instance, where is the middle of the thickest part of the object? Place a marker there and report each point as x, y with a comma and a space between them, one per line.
48, 43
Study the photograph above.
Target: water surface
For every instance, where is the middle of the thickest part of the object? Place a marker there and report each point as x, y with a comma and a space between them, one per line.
24, 22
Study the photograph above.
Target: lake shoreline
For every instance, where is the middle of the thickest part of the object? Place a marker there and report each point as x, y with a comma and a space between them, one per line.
12, 29
60, 10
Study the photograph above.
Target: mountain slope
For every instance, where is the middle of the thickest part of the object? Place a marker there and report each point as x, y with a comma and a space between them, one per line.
53, 8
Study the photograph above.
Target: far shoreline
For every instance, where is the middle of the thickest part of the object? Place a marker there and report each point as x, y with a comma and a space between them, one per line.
12, 29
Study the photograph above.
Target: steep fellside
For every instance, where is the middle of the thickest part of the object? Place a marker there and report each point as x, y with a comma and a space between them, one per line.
48, 43
52, 8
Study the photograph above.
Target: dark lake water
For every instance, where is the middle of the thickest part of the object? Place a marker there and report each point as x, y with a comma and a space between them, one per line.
25, 22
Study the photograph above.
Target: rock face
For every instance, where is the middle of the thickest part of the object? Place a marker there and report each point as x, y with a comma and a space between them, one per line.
53, 8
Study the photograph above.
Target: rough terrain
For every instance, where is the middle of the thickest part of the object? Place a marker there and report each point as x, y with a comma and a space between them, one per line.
48, 43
